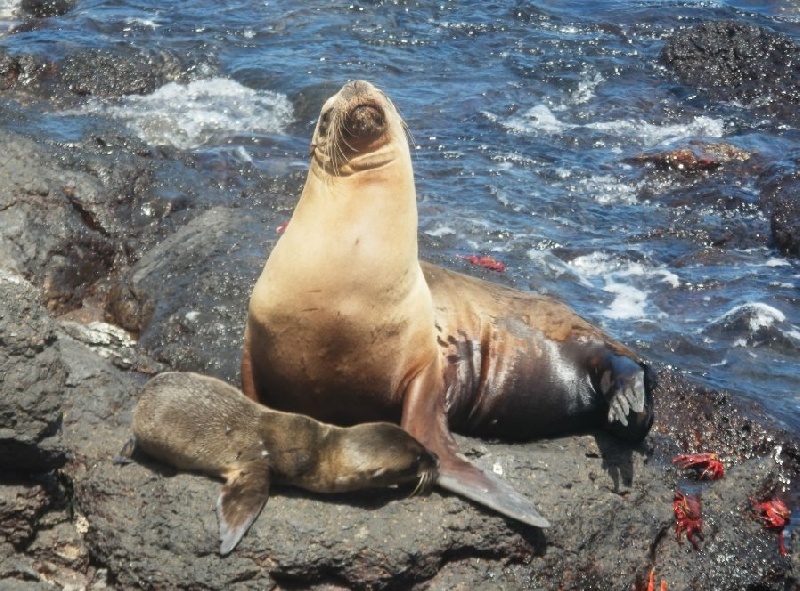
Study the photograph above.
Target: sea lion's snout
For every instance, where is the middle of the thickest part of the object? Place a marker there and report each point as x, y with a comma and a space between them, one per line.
427, 464
365, 122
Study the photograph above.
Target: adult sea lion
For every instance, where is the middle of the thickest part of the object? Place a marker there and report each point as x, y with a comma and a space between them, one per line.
345, 324
194, 422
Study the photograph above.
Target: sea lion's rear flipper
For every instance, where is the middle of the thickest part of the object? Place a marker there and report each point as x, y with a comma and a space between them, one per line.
425, 418
243, 496
125, 455
470, 481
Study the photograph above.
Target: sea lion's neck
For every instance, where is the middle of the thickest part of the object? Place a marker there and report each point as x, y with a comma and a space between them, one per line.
360, 228
374, 208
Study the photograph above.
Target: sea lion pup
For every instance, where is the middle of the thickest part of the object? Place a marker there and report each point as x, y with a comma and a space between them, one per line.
194, 422
347, 326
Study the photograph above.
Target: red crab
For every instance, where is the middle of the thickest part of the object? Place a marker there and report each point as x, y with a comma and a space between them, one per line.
485, 262
710, 464
651, 585
774, 515
688, 516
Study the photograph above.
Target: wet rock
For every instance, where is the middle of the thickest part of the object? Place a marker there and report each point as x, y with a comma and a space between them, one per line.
33, 380
697, 156
703, 419
113, 73
780, 201
19, 71
727, 60
46, 8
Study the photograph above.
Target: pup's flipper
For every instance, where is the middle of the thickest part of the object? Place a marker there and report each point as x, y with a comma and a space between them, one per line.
243, 496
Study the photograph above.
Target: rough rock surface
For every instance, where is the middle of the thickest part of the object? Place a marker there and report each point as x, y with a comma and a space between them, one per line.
42, 200
727, 60
32, 378
99, 72
194, 288
780, 201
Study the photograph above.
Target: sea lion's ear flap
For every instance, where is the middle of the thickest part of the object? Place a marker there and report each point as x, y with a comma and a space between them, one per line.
241, 500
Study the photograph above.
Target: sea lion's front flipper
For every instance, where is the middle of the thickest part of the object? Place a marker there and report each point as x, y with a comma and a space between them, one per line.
628, 391
243, 496
425, 418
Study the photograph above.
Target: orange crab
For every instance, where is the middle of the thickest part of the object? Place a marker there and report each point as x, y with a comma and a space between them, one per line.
774, 515
486, 262
709, 463
651, 585
688, 516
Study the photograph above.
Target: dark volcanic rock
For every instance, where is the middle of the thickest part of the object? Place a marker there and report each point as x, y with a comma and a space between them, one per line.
727, 60
19, 71
780, 200
32, 383
610, 505
48, 232
192, 291
101, 72
45, 8
41, 537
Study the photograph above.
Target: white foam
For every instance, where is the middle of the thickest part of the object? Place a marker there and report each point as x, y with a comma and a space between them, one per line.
585, 91
8, 12
191, 115
541, 119
761, 315
537, 119
144, 23
658, 134
440, 230
608, 189
626, 280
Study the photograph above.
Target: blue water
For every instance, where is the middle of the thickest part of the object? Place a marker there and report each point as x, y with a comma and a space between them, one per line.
521, 116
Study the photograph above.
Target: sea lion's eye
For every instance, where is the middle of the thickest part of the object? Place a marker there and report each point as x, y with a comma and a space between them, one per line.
324, 118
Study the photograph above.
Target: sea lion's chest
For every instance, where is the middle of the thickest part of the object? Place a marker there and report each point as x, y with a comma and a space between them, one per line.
342, 339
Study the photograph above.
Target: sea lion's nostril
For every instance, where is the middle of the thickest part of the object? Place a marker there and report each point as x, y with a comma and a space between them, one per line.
365, 121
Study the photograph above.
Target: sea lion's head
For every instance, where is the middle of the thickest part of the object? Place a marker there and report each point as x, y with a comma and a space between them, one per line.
358, 129
382, 454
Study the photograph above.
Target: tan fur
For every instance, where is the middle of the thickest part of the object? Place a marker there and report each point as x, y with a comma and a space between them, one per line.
331, 313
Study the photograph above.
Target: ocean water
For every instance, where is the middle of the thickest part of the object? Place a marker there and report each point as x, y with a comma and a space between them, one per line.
522, 116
